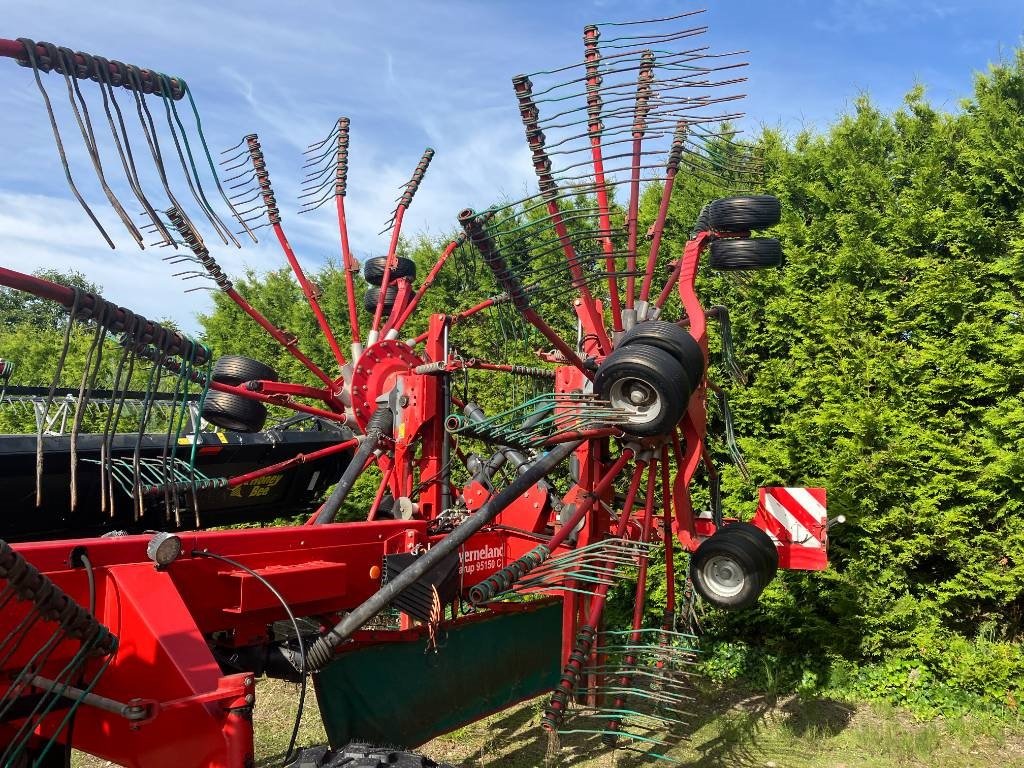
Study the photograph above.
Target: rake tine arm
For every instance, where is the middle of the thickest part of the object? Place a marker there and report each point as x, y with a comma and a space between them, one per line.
658, 228
549, 190
592, 55
404, 202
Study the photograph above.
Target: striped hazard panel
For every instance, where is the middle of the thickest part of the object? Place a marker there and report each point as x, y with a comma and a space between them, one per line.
797, 520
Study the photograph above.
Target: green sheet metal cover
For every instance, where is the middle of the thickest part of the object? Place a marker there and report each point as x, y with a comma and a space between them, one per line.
395, 693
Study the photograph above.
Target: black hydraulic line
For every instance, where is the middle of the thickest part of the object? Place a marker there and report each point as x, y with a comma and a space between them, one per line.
513, 456
323, 649
375, 428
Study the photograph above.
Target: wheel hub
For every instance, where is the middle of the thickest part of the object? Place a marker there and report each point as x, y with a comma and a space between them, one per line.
375, 373
636, 397
724, 575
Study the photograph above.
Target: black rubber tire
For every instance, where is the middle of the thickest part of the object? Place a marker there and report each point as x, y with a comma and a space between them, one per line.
237, 369
367, 756
735, 253
660, 372
372, 296
234, 412
373, 269
742, 214
745, 556
702, 224
674, 340
761, 540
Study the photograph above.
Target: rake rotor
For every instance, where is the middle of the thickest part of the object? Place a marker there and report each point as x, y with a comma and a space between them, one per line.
598, 386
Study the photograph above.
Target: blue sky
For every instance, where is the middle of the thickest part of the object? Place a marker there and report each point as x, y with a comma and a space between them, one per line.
416, 74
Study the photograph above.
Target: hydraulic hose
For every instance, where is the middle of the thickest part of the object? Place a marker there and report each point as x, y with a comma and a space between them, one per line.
323, 649
379, 423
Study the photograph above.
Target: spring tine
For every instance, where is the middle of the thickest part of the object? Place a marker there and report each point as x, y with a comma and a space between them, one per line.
189, 170
81, 113
149, 130
30, 52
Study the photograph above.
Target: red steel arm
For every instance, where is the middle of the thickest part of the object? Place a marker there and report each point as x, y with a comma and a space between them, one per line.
310, 294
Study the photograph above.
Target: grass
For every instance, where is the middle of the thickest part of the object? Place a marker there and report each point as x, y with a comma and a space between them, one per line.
731, 729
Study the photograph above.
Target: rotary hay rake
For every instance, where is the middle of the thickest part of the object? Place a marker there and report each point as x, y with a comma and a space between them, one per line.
494, 539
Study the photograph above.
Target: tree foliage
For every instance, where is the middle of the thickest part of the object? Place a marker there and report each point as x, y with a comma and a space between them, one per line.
885, 363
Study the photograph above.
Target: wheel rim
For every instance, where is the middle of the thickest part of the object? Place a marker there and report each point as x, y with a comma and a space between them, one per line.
724, 576
637, 398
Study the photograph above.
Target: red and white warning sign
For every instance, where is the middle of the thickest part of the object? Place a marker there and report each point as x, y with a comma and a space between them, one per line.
797, 520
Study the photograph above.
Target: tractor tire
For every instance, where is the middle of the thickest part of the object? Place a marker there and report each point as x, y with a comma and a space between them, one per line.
367, 756
674, 340
742, 214
728, 571
734, 253
761, 540
373, 269
372, 296
647, 381
234, 412
236, 369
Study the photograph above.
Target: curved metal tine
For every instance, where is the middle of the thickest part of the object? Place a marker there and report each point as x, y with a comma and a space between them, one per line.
253, 198
310, 207
257, 210
659, 20
317, 159
81, 112
149, 131
201, 201
625, 64
318, 144
626, 110
319, 173
320, 177
157, 224
315, 189
124, 149
636, 41
249, 174
242, 157
566, 67
239, 144
198, 192
30, 52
